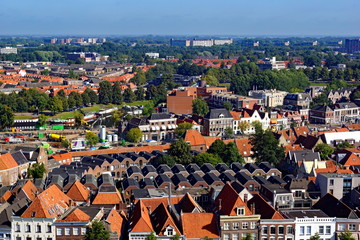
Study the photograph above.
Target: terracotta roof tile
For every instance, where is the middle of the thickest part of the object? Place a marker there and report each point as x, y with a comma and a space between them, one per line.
194, 137
7, 161
7, 195
161, 219
140, 221
78, 192
199, 225
108, 198
76, 216
116, 222
244, 146
30, 190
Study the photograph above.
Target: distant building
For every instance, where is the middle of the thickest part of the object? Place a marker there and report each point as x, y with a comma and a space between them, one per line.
152, 55
297, 100
216, 121
237, 101
270, 98
271, 64
352, 45
8, 50
87, 56
199, 42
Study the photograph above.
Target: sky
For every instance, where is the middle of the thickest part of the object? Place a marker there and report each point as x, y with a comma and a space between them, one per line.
181, 17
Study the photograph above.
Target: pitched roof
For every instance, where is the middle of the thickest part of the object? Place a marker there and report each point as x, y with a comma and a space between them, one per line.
63, 156
7, 161
116, 222
263, 208
52, 202
194, 137
244, 146
78, 192
199, 225
161, 219
350, 159
30, 190
140, 221
188, 204
228, 201
76, 216
107, 195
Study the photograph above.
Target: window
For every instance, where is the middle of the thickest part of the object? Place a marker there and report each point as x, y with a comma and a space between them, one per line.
18, 238
265, 230
342, 227
75, 231
83, 231
48, 230
39, 238
49, 239
328, 230
170, 232
272, 230
308, 230
235, 237
245, 225
252, 225
59, 231
236, 226
302, 230
226, 226
17, 228
38, 228
352, 227
281, 230
27, 228
321, 230
240, 211
226, 237
331, 182
67, 231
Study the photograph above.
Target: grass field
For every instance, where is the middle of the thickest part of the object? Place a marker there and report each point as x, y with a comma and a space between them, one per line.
23, 116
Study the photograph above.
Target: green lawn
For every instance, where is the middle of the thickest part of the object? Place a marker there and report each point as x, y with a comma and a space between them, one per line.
318, 84
23, 116
227, 85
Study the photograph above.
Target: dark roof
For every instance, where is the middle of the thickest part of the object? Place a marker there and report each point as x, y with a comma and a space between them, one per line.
133, 169
276, 180
303, 213
322, 108
7, 211
333, 207
207, 167
222, 167
226, 177
236, 166
141, 193
261, 180
251, 167
107, 188
288, 177
210, 178
307, 142
19, 157
148, 169
70, 179
158, 116
237, 186
163, 168
56, 179
162, 178
177, 168
89, 179
132, 155
243, 177
215, 113
266, 166
195, 178
178, 179
275, 188
105, 179
146, 182
193, 167
130, 182
146, 155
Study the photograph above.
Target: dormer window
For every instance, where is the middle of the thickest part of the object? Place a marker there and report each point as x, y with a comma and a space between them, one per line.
169, 231
240, 211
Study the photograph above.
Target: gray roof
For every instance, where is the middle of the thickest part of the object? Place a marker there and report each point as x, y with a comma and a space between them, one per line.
215, 113
159, 116
303, 213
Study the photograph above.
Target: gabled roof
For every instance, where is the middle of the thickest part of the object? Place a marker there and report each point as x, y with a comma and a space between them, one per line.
78, 192
350, 159
260, 206
194, 137
161, 219
19, 157
140, 221
76, 216
7, 161
187, 204
228, 201
116, 222
333, 207
52, 202
107, 195
216, 113
307, 142
198, 225
30, 190
303, 130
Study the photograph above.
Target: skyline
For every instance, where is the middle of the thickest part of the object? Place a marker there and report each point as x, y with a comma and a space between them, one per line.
191, 18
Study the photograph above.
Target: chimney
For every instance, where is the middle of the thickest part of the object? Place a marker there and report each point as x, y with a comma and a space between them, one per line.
252, 208
220, 204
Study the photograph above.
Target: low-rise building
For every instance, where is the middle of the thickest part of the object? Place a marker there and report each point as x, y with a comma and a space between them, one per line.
216, 121
271, 98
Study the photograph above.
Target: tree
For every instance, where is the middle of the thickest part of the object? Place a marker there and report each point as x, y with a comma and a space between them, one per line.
85, 98
228, 106
129, 95
117, 97
247, 237
244, 126
97, 231
140, 94
205, 157
116, 116
55, 104
134, 135
91, 138
344, 145
105, 93
181, 129
42, 120
265, 146
6, 117
199, 107
217, 147
231, 154
180, 150
37, 170
165, 159
324, 150
210, 80
93, 96
315, 237
347, 235
45, 72
79, 118
151, 236
229, 132
65, 143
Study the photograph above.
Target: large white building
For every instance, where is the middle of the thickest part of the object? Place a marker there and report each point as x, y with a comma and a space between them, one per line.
8, 50
271, 98
32, 228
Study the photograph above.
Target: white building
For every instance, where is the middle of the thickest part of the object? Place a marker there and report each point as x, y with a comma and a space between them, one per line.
8, 50
336, 137
152, 55
249, 116
271, 98
310, 222
32, 228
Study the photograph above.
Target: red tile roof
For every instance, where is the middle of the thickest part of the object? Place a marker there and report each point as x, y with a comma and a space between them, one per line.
76, 216
200, 225
350, 159
30, 190
78, 192
140, 221
7, 161
108, 198
244, 147
161, 219
194, 137
263, 208
116, 222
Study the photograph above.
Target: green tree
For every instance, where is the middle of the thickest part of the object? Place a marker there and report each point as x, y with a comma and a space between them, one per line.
6, 117
247, 237
134, 135
199, 107
324, 150
140, 94
116, 116
265, 146
231, 154
181, 129
97, 231
55, 104
73, 75
315, 237
65, 143
205, 157
165, 159
91, 138
217, 147
180, 150
129, 95
79, 119
151, 236
116, 93
148, 108
228, 106
37, 170
42, 120
210, 80
93, 96
344, 145
347, 235
229, 132
45, 72
244, 126
85, 98
105, 92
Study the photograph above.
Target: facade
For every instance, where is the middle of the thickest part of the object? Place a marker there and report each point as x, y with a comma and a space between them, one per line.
271, 64
33, 228
12, 167
8, 50
322, 115
237, 101
271, 98
216, 121
277, 229
297, 100
344, 112
352, 45
338, 184
199, 42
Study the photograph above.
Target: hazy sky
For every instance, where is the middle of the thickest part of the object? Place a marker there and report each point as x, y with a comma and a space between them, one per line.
180, 17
